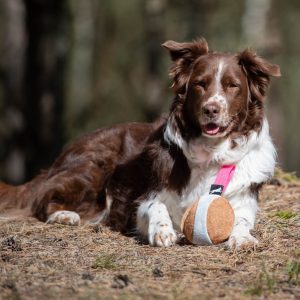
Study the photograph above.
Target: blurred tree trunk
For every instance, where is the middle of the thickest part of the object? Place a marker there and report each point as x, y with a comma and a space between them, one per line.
80, 65
154, 35
287, 15
47, 25
198, 18
12, 47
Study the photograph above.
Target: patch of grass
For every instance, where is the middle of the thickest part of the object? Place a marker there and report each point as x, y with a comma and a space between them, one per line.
265, 282
289, 177
105, 261
293, 271
284, 214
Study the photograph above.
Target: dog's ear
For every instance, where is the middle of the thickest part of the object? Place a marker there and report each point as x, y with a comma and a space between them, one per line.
183, 56
258, 72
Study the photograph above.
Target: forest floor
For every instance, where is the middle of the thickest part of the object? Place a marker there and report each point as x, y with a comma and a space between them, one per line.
39, 261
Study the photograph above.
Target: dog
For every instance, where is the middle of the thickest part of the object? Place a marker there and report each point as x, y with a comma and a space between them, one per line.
143, 176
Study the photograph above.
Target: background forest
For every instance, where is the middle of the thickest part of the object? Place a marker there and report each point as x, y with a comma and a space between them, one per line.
70, 66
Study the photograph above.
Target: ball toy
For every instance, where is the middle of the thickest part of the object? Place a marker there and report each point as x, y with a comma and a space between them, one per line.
208, 221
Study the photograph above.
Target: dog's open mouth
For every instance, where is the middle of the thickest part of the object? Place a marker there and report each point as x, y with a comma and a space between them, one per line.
212, 129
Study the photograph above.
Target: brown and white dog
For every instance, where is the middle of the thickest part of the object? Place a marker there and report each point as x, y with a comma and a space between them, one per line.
144, 176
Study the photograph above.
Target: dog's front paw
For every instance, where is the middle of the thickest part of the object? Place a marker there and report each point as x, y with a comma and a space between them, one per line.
64, 217
161, 234
241, 240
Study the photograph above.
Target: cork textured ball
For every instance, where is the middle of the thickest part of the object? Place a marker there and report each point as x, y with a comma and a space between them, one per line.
208, 221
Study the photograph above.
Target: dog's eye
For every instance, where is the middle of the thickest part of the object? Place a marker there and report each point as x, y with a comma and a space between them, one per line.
233, 85
201, 83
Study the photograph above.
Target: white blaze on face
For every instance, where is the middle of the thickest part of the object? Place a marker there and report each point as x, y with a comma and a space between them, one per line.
218, 97
219, 75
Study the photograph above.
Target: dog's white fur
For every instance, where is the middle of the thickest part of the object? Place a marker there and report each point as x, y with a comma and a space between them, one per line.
65, 217
254, 157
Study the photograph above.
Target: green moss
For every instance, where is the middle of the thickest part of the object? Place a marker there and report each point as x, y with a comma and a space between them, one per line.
293, 271
105, 261
284, 214
289, 177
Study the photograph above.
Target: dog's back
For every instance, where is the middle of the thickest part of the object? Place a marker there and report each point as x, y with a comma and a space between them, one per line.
77, 179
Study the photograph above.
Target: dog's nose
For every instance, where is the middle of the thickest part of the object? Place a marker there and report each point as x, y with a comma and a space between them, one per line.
211, 110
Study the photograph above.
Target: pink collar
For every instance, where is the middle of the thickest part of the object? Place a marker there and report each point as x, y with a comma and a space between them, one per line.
222, 180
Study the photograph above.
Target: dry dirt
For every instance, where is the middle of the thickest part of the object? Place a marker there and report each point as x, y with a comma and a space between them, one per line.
39, 261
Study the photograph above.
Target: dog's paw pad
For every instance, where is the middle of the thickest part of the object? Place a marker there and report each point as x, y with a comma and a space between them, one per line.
64, 217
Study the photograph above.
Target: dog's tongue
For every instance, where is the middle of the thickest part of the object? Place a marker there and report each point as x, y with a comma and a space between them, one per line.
211, 129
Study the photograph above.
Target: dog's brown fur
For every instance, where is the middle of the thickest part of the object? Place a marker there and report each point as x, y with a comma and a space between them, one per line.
78, 178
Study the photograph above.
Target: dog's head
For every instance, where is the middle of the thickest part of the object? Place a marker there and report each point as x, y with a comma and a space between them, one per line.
217, 93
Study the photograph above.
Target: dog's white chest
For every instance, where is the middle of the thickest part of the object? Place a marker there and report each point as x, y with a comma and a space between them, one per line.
199, 185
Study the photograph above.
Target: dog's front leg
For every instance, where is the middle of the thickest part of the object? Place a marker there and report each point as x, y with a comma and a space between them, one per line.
154, 222
245, 208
